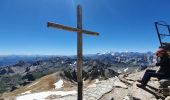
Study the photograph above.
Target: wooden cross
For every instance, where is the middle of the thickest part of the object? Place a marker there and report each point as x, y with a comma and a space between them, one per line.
79, 31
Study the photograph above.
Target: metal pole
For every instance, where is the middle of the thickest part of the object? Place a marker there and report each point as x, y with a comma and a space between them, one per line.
158, 33
79, 54
168, 29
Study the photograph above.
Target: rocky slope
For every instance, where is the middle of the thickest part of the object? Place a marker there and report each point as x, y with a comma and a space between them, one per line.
123, 87
23, 73
97, 66
132, 92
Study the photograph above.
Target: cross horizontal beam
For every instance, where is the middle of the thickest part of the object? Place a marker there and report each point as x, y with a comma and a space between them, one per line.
165, 34
162, 24
72, 29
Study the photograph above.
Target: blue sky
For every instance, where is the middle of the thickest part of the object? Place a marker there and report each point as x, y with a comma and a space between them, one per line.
124, 25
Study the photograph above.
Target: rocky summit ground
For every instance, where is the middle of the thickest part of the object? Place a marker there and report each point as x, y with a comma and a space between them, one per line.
122, 87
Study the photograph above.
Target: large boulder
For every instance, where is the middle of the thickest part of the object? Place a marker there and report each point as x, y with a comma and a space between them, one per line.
165, 86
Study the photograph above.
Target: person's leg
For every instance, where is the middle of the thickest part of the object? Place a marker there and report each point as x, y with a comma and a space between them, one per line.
145, 74
150, 70
148, 75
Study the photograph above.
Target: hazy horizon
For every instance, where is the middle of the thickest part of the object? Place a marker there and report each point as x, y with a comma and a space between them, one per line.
70, 54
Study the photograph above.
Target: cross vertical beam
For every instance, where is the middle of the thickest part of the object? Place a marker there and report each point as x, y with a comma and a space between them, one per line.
79, 53
80, 32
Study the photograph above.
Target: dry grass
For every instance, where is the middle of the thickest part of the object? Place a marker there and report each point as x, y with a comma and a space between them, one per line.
43, 84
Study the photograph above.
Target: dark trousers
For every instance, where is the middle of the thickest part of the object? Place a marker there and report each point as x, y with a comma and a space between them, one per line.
151, 73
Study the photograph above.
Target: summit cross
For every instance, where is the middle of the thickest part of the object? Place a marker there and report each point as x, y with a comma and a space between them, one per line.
79, 31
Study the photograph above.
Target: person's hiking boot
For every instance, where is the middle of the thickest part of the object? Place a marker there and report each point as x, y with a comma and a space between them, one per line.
140, 81
140, 85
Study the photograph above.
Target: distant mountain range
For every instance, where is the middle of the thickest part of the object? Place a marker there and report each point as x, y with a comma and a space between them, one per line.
13, 59
123, 57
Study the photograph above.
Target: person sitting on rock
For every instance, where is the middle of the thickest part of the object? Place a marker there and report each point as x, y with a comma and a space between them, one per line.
162, 72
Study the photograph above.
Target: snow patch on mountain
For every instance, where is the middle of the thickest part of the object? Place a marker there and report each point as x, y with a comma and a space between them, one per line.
59, 84
125, 70
43, 95
27, 92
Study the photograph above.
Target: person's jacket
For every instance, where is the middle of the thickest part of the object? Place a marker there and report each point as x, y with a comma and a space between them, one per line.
164, 64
